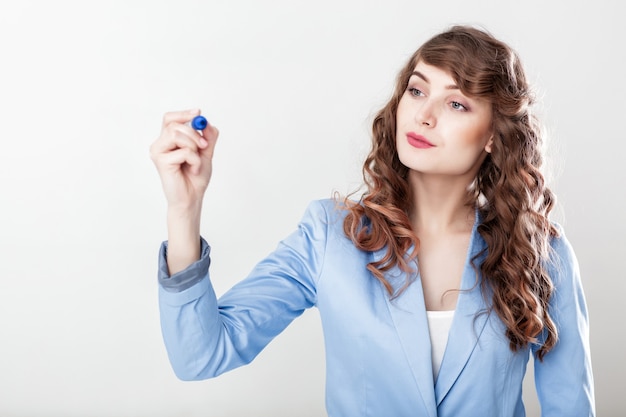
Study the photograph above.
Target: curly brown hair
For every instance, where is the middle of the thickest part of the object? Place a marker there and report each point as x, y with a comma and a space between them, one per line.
509, 191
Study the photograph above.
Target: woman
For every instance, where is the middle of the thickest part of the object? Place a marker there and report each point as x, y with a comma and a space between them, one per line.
449, 250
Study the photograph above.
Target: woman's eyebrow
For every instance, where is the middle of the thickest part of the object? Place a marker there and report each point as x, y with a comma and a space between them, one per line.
423, 77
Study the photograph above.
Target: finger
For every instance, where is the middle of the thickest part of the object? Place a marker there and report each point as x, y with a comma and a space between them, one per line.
210, 134
179, 157
179, 116
186, 129
172, 139
182, 135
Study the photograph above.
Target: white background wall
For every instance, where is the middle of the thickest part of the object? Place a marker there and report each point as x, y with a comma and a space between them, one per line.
292, 85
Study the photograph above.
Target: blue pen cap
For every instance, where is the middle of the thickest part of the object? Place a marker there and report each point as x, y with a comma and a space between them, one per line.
199, 122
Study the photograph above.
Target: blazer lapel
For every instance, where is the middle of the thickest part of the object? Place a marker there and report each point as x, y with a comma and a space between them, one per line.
408, 313
467, 324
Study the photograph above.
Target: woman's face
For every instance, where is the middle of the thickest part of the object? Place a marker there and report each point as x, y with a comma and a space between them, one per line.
438, 129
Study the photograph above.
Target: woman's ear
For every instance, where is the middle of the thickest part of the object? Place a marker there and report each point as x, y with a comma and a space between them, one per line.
489, 144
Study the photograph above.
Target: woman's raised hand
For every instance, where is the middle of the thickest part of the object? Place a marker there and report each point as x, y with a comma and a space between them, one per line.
183, 157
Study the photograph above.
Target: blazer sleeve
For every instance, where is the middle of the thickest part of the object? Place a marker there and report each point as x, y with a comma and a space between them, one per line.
205, 337
564, 379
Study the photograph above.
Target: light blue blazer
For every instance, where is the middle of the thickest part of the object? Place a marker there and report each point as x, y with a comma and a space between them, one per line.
377, 349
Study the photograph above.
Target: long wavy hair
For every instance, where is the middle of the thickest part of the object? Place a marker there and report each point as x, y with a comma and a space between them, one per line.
509, 190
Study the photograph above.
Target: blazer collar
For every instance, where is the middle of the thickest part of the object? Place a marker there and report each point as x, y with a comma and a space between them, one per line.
470, 317
408, 312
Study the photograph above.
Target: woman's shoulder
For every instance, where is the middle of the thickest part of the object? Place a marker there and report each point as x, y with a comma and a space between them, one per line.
563, 260
559, 242
329, 208
326, 216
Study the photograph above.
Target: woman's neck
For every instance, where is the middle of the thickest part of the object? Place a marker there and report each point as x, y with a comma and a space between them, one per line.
440, 205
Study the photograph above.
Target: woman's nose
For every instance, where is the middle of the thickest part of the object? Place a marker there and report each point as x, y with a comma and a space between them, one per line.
425, 114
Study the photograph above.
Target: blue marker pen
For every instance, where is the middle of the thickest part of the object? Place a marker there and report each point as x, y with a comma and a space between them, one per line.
199, 122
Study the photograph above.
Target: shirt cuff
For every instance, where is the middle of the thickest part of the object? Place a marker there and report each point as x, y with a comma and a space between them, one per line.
189, 276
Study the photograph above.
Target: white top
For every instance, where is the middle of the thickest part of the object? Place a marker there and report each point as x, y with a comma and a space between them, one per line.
439, 323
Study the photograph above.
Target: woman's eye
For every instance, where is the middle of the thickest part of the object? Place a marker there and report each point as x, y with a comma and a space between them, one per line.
458, 106
415, 92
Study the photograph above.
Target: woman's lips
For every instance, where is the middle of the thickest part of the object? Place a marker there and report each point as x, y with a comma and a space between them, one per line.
418, 141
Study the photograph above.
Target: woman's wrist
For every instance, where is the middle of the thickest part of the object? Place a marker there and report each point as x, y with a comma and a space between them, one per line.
183, 226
